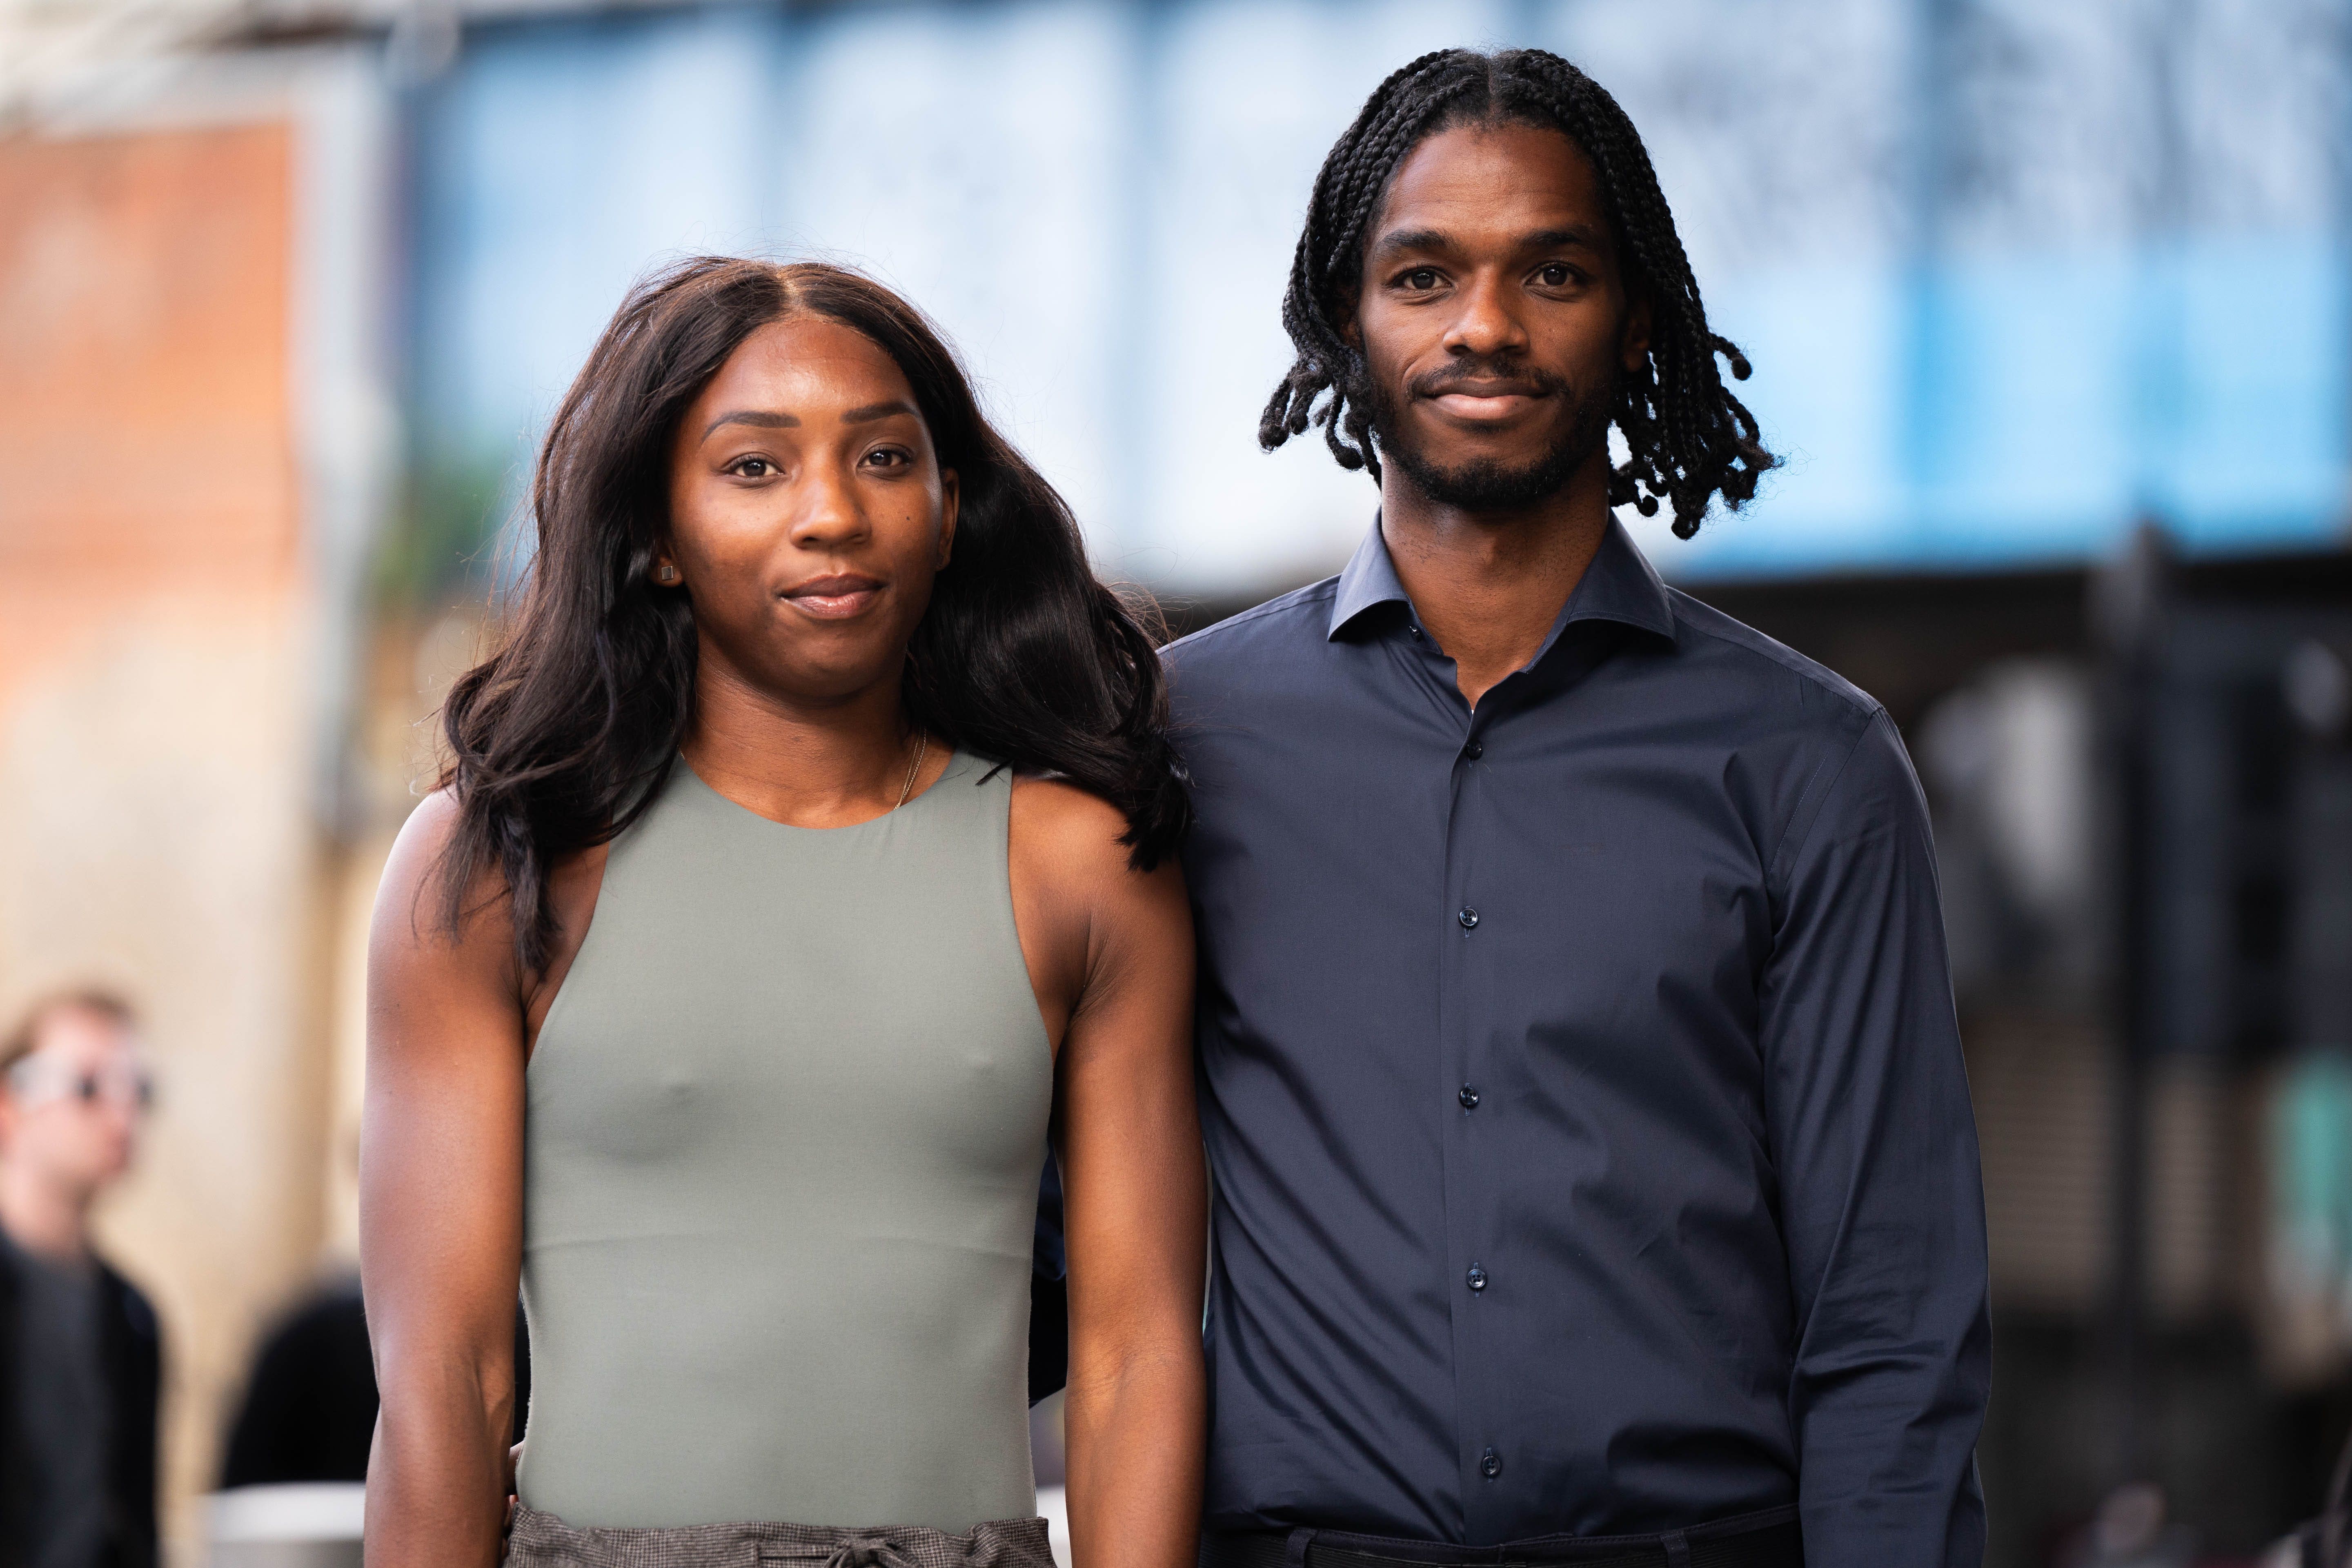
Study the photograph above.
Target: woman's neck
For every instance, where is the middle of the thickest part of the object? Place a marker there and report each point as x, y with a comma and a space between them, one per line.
828, 764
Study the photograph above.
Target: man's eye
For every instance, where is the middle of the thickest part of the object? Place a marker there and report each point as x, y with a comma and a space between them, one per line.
1421, 277
1556, 276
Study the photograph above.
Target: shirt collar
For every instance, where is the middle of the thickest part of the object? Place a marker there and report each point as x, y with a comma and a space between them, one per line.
1620, 585
1369, 581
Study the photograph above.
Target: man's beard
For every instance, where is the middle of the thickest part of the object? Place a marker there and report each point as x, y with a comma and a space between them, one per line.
1486, 485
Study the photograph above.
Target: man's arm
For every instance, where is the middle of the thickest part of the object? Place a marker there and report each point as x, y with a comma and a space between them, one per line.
1882, 1205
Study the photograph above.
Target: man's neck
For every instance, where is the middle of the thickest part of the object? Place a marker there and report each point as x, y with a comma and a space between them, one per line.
1488, 585
43, 1216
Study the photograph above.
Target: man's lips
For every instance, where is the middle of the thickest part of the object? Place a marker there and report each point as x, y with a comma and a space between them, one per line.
1486, 402
835, 597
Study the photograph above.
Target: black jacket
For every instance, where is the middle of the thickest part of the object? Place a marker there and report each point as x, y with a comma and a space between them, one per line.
131, 1347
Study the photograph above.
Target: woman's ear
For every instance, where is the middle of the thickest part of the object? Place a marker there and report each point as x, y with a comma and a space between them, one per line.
949, 494
665, 572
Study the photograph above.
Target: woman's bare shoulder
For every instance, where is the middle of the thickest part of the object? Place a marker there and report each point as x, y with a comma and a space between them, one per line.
1095, 929
1073, 842
434, 820
1081, 831
413, 910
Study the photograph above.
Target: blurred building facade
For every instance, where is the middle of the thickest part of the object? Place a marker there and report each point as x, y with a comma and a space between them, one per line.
182, 506
288, 287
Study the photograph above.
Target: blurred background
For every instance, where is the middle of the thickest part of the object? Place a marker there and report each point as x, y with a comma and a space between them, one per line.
2050, 305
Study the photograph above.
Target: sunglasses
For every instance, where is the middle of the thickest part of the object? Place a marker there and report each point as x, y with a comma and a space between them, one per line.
32, 1080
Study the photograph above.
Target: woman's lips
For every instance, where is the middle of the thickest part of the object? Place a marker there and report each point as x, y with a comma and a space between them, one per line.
835, 598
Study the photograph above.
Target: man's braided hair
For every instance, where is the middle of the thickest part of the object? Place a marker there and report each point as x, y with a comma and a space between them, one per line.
1689, 438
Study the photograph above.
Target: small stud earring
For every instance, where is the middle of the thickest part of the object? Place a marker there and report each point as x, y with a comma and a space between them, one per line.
666, 574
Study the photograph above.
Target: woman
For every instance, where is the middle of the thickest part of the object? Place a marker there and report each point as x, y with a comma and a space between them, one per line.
804, 849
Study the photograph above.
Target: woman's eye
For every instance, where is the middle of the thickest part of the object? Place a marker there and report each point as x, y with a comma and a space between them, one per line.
887, 458
753, 468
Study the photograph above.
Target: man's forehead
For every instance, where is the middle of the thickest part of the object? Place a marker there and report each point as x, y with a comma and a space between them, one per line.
1512, 182
79, 1029
1481, 161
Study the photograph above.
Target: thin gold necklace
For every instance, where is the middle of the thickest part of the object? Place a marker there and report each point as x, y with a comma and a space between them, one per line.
912, 769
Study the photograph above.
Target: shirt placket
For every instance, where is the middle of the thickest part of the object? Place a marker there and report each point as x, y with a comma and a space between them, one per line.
1473, 1277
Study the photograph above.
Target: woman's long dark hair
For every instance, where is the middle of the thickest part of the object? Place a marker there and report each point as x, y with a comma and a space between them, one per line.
561, 739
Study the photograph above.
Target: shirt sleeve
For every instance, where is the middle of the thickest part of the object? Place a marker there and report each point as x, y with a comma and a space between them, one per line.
1881, 1203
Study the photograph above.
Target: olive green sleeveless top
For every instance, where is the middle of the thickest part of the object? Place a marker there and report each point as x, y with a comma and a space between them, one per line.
785, 1122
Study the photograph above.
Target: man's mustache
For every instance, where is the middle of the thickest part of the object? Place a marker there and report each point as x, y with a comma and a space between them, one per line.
1489, 375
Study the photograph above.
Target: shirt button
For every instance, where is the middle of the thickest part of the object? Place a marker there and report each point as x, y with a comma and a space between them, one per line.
1468, 1097
1475, 750
1478, 1277
1416, 634
1490, 1464
1469, 919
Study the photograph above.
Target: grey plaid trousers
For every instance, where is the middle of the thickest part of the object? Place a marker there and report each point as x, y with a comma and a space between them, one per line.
542, 1541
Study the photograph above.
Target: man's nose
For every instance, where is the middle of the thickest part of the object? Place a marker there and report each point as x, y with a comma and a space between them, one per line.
1486, 322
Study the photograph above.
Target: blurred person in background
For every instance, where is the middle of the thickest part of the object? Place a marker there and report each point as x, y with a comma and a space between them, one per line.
802, 861
310, 1406
1595, 1175
81, 1362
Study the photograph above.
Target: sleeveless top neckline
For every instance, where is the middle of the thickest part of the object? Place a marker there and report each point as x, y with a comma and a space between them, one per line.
683, 775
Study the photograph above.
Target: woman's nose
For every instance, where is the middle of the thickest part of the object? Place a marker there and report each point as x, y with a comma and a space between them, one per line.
831, 513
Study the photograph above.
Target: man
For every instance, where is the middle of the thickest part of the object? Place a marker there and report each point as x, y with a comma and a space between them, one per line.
1592, 1154
79, 1368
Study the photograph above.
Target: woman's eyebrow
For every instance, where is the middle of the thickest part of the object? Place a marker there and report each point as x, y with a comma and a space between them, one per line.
873, 411
752, 416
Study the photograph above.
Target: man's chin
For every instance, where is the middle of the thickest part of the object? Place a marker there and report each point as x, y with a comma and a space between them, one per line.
1572, 433
1490, 484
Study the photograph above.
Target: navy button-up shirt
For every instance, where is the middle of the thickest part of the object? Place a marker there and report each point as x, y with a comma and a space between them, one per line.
1592, 1145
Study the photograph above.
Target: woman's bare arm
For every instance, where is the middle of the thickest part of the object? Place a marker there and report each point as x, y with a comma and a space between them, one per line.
440, 1212
1129, 1138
